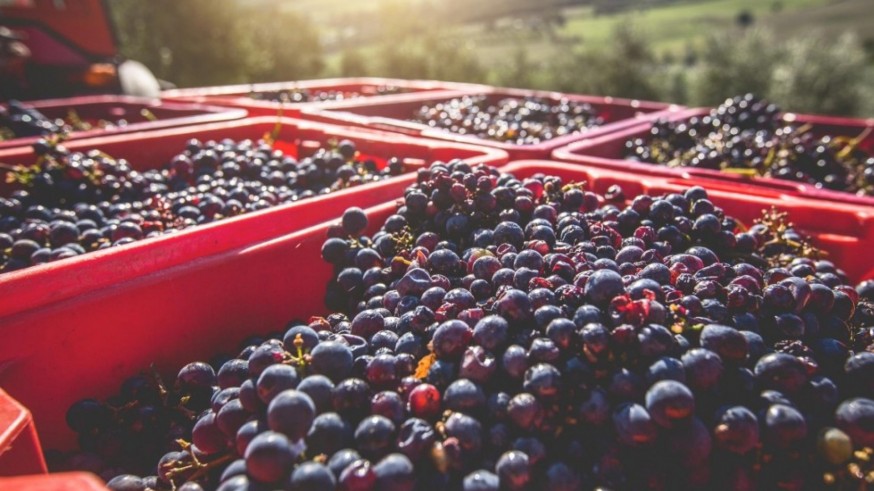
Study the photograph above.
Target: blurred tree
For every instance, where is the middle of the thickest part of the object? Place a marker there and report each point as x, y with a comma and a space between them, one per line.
745, 18
281, 45
822, 75
402, 60
676, 85
204, 42
428, 56
814, 73
396, 20
453, 60
628, 67
734, 63
519, 70
188, 43
868, 46
352, 63
690, 55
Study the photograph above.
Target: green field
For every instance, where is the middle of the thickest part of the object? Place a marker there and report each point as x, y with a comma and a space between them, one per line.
673, 28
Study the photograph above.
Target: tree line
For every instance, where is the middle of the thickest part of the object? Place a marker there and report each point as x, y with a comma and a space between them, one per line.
204, 42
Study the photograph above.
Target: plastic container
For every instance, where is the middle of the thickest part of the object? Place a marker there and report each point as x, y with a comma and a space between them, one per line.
87, 345
68, 481
845, 232
136, 111
20, 451
608, 151
39, 286
393, 115
240, 96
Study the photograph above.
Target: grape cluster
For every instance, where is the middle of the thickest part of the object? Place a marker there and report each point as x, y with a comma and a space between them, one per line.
71, 203
521, 121
132, 430
309, 95
499, 333
19, 121
747, 136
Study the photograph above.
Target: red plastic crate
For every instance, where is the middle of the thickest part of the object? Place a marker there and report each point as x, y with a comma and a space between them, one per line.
112, 108
239, 95
392, 115
20, 451
39, 286
844, 231
608, 151
87, 345
68, 481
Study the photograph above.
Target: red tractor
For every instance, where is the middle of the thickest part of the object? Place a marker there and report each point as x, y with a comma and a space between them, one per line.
59, 48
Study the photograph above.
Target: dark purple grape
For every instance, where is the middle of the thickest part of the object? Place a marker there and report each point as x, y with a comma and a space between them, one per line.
351, 398
491, 332
690, 444
543, 380
395, 472
270, 457
87, 416
514, 306
856, 418
513, 470
451, 339
859, 370
481, 480
666, 368
233, 373
602, 286
670, 403
736, 430
342, 459
465, 396
703, 368
196, 376
780, 371
357, 476
729, 343
312, 476
291, 413
246, 434
524, 411
275, 379
784, 426
328, 433
318, 388
332, 359
126, 482
375, 437
231, 417
389, 404
634, 425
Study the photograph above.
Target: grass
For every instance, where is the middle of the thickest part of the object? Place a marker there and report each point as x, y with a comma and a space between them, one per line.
673, 28
833, 18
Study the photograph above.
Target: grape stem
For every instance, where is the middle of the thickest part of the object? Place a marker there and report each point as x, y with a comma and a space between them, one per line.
200, 468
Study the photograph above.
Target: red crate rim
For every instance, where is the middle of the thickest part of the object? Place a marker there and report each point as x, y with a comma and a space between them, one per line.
342, 113
324, 83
